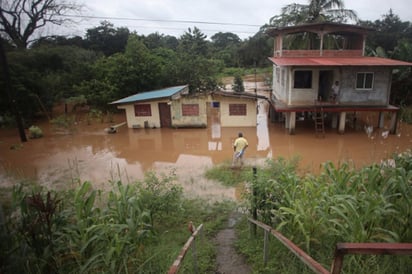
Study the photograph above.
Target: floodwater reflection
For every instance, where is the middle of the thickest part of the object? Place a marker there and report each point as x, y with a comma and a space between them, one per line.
91, 154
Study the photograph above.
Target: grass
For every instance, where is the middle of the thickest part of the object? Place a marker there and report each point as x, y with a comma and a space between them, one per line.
228, 176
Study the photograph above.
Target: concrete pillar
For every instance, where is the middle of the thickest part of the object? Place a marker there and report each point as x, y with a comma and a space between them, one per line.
292, 123
381, 122
394, 123
287, 118
334, 120
342, 123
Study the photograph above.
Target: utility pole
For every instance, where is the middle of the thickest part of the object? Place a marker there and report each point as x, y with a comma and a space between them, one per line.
12, 102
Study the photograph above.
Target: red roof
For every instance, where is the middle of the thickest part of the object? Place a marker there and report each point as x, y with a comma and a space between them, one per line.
337, 61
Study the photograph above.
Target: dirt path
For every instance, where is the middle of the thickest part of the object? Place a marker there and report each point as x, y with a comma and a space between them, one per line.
228, 260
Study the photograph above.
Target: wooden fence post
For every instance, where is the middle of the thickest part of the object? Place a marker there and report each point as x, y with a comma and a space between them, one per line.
254, 199
194, 257
266, 248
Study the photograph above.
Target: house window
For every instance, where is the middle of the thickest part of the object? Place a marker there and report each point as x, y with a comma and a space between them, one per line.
237, 109
303, 79
190, 109
364, 80
142, 110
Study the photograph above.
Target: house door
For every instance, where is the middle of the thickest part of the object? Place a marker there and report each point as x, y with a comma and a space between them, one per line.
325, 84
164, 114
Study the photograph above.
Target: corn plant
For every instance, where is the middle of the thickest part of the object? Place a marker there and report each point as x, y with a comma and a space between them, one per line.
342, 204
86, 230
31, 230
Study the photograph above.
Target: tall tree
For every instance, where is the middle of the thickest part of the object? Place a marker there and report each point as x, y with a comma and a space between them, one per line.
107, 39
194, 42
195, 67
255, 50
20, 19
315, 11
223, 40
157, 40
12, 102
225, 46
388, 31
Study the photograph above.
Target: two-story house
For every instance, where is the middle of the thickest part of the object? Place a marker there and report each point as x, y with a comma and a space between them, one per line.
309, 59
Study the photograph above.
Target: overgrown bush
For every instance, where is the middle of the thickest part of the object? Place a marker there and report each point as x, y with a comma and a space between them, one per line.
406, 114
64, 122
95, 114
7, 120
35, 132
238, 83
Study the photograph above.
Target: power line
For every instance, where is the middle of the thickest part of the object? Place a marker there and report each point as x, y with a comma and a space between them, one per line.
244, 27
161, 20
177, 28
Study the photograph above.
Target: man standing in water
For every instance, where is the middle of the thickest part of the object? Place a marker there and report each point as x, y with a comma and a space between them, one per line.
239, 147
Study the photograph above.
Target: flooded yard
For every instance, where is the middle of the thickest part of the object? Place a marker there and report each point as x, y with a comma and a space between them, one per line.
90, 153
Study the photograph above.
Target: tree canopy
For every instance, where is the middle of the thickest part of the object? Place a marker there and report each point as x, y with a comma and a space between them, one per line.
313, 12
110, 63
20, 19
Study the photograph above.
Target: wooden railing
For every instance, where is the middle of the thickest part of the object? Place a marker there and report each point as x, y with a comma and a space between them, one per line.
341, 250
305, 258
190, 243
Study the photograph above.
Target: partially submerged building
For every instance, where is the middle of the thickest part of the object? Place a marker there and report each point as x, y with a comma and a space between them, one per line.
167, 107
175, 107
308, 59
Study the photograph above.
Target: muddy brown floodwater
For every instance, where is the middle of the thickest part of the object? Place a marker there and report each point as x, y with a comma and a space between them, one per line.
91, 154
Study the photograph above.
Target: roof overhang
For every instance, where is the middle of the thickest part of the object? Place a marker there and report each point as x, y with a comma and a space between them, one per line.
325, 27
171, 93
244, 95
337, 61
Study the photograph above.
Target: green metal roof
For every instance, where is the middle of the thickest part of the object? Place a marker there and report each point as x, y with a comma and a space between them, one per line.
151, 95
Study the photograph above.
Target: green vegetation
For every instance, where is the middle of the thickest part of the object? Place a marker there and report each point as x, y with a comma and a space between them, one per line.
134, 228
35, 132
238, 84
64, 122
111, 63
406, 114
342, 204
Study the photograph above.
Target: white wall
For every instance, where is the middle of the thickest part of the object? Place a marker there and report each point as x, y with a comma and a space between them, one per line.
133, 121
237, 121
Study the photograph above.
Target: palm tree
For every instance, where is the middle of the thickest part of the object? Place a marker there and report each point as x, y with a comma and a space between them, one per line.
315, 11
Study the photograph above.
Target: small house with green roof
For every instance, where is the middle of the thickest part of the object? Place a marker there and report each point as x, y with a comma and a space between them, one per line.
167, 107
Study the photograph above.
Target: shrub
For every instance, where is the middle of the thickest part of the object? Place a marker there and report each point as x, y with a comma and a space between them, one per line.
406, 114
64, 122
35, 132
95, 114
238, 83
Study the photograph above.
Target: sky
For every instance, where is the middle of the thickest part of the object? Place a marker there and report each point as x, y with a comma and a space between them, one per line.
174, 17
